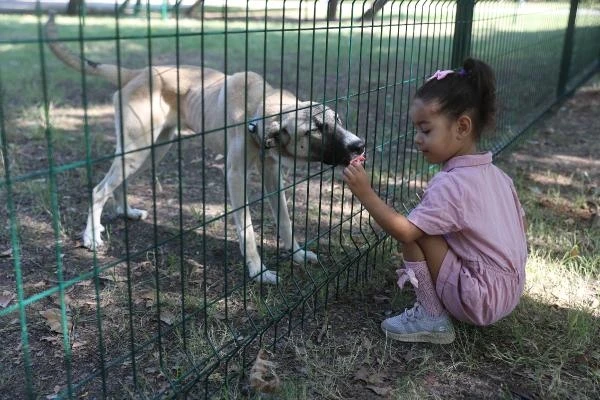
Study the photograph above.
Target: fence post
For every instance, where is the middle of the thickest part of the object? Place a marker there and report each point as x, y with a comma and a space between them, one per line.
463, 25
567, 53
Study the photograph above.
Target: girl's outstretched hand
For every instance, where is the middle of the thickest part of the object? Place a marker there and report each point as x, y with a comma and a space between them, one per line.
358, 181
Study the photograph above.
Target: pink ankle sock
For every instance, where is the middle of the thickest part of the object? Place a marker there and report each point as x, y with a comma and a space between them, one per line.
426, 294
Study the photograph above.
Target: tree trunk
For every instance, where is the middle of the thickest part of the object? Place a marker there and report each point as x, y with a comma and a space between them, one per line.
332, 7
74, 7
191, 10
370, 13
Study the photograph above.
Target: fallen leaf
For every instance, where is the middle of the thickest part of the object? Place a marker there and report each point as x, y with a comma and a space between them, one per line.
430, 379
381, 391
300, 351
363, 374
147, 296
50, 339
380, 298
55, 395
67, 299
5, 298
53, 319
84, 302
366, 343
574, 251
167, 317
535, 190
262, 374
113, 276
6, 253
220, 316
522, 394
220, 167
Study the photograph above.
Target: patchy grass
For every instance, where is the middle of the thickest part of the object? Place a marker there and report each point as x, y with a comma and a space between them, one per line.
546, 349
120, 322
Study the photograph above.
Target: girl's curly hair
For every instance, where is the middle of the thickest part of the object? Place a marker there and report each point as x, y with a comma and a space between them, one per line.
471, 91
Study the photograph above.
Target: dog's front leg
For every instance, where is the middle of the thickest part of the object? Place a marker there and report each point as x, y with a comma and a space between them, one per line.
236, 176
280, 213
92, 238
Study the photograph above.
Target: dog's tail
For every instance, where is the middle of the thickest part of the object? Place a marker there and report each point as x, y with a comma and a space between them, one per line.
115, 74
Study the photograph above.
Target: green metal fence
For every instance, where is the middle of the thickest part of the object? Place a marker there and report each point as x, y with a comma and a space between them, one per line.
167, 307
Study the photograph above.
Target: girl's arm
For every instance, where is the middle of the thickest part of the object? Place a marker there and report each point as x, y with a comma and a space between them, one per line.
394, 223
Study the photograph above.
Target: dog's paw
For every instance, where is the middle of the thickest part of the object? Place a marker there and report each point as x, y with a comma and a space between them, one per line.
133, 213
301, 255
267, 276
91, 242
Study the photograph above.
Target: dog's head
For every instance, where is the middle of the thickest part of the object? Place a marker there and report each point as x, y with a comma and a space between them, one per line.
310, 132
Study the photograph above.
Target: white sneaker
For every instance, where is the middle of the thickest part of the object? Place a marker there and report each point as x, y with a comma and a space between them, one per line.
414, 325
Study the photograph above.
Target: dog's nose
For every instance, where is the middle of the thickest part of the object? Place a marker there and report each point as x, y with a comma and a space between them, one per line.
357, 146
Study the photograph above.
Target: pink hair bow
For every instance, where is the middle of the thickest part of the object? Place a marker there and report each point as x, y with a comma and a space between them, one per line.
406, 275
439, 74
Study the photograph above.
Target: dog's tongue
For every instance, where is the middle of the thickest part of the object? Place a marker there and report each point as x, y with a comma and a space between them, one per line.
358, 159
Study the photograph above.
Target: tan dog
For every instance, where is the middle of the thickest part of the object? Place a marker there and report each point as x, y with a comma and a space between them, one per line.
152, 100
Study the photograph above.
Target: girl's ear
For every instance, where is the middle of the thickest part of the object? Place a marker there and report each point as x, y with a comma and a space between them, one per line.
464, 126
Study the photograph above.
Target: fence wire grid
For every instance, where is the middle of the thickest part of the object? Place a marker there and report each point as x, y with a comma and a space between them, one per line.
167, 307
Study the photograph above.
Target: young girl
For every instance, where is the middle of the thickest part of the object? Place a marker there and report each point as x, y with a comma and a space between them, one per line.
464, 245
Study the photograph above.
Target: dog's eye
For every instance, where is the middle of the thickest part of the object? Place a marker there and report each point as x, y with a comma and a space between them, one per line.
313, 131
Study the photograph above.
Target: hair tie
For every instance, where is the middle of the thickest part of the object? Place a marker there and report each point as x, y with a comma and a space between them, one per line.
439, 74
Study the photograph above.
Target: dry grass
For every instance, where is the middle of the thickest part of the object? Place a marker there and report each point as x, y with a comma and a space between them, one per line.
546, 349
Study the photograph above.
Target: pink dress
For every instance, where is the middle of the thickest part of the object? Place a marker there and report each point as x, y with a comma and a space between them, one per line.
474, 205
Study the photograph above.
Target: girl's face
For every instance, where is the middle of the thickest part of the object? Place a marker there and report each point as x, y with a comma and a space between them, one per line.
439, 137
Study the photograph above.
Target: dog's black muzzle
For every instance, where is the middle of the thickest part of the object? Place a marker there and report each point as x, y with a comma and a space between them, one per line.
354, 149
342, 152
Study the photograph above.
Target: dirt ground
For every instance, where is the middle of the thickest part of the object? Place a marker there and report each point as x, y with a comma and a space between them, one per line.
563, 150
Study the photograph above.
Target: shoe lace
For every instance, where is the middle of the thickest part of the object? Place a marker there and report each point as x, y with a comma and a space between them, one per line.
411, 313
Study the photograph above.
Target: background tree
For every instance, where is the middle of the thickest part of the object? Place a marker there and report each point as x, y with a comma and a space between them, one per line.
74, 7
375, 7
332, 8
